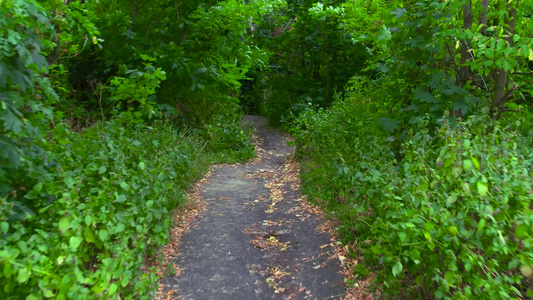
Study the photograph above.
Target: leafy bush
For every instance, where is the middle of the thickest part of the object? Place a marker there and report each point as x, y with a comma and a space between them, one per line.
229, 142
447, 215
89, 220
136, 94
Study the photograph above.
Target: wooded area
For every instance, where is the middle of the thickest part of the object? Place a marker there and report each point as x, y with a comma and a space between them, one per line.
413, 125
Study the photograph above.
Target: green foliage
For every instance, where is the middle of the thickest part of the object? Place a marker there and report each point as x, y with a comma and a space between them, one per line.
137, 93
314, 56
452, 60
227, 140
102, 207
25, 94
448, 215
202, 47
440, 206
83, 214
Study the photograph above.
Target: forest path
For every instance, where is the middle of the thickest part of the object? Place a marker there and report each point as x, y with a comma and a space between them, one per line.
256, 237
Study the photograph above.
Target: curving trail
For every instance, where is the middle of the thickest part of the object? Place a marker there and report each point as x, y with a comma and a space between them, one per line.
255, 237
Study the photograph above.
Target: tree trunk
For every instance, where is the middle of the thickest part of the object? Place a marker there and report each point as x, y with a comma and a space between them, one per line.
483, 16
501, 78
464, 71
135, 10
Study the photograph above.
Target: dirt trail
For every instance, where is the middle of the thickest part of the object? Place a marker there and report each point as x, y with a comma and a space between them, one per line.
256, 237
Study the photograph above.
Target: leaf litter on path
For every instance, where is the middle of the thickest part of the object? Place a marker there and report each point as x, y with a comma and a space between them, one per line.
287, 175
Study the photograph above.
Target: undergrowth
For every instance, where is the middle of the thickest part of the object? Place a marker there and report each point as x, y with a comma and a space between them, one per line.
443, 213
92, 210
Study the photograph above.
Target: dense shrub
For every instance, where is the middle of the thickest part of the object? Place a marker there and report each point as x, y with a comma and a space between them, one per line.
99, 209
314, 55
448, 214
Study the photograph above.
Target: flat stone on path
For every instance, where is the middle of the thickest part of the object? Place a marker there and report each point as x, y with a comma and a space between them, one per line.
256, 240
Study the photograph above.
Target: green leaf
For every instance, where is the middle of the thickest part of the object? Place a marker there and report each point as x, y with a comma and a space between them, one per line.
527, 271
149, 203
31, 195
24, 275
449, 276
120, 228
125, 279
69, 181
521, 231
88, 220
376, 249
453, 230
121, 198
103, 235
466, 144
388, 124
88, 235
102, 170
5, 227
397, 269
409, 225
424, 96
12, 122
451, 199
482, 188
466, 188
481, 224
64, 225
22, 246
460, 105
38, 187
414, 254
427, 235
124, 185
47, 293
402, 236
75, 242
399, 12
142, 166
475, 162
467, 164
112, 289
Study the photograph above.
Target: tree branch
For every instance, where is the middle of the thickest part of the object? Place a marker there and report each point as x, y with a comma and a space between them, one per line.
505, 109
153, 21
452, 58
